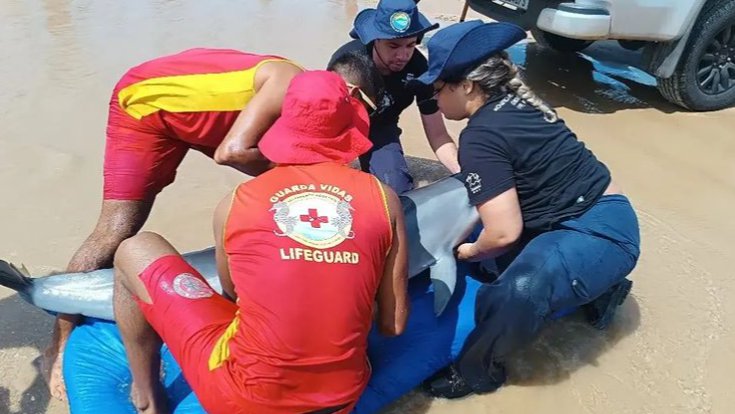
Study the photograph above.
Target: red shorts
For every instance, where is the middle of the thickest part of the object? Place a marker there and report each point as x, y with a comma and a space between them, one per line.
190, 317
141, 156
140, 160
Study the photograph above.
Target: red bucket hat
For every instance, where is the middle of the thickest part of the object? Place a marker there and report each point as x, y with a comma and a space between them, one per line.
319, 122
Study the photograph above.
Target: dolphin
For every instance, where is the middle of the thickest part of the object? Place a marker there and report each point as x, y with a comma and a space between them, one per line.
438, 218
88, 293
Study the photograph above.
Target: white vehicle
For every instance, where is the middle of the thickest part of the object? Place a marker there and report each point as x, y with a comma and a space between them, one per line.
688, 45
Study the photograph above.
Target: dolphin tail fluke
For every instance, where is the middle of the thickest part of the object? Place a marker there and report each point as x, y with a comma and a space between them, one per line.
14, 278
444, 279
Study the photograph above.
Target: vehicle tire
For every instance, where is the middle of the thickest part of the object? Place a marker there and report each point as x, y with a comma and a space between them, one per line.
558, 43
704, 79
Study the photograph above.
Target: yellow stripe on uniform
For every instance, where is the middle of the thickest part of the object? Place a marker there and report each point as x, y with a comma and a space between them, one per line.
221, 350
226, 91
387, 211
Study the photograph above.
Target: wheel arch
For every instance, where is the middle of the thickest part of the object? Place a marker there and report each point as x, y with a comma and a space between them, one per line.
663, 58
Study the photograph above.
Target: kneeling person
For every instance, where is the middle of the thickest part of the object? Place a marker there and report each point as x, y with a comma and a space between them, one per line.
305, 249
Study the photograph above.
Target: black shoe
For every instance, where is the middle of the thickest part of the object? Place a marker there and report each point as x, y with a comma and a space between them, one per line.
482, 274
601, 311
447, 383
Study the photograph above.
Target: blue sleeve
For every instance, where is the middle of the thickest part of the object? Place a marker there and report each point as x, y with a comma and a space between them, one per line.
485, 164
427, 105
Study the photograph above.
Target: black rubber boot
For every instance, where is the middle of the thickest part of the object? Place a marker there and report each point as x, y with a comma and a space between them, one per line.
448, 383
600, 312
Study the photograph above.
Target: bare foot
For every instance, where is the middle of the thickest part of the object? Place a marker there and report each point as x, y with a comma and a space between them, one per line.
51, 368
155, 404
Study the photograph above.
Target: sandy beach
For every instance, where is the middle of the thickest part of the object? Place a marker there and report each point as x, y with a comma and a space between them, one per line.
671, 348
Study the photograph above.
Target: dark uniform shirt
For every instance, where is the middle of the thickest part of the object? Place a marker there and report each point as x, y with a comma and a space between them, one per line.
509, 143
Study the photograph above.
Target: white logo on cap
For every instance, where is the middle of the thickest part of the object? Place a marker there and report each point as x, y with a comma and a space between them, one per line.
400, 21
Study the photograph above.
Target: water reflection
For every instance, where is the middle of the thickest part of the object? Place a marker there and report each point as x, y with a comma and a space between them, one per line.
603, 79
18, 335
63, 53
350, 8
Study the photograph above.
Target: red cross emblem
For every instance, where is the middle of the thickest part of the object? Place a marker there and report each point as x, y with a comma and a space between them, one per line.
314, 218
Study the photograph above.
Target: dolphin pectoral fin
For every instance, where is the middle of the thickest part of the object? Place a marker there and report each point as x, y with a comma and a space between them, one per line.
444, 279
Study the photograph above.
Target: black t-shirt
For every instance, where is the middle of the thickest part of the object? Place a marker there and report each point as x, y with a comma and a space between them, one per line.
399, 90
509, 143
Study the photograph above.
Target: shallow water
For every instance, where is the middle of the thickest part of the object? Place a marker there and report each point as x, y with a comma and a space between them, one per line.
671, 347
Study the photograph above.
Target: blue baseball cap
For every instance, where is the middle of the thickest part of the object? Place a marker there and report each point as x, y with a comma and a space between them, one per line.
391, 19
460, 47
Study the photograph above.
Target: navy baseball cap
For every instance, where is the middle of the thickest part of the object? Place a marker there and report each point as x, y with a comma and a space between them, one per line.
460, 47
391, 19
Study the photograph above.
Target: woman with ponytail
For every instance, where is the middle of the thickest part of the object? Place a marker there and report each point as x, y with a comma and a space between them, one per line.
556, 223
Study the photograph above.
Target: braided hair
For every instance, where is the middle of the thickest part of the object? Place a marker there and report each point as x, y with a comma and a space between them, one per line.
498, 75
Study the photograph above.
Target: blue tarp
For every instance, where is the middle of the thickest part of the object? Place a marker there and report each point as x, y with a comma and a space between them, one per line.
98, 378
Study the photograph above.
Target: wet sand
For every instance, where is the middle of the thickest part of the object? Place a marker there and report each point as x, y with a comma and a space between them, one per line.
670, 349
